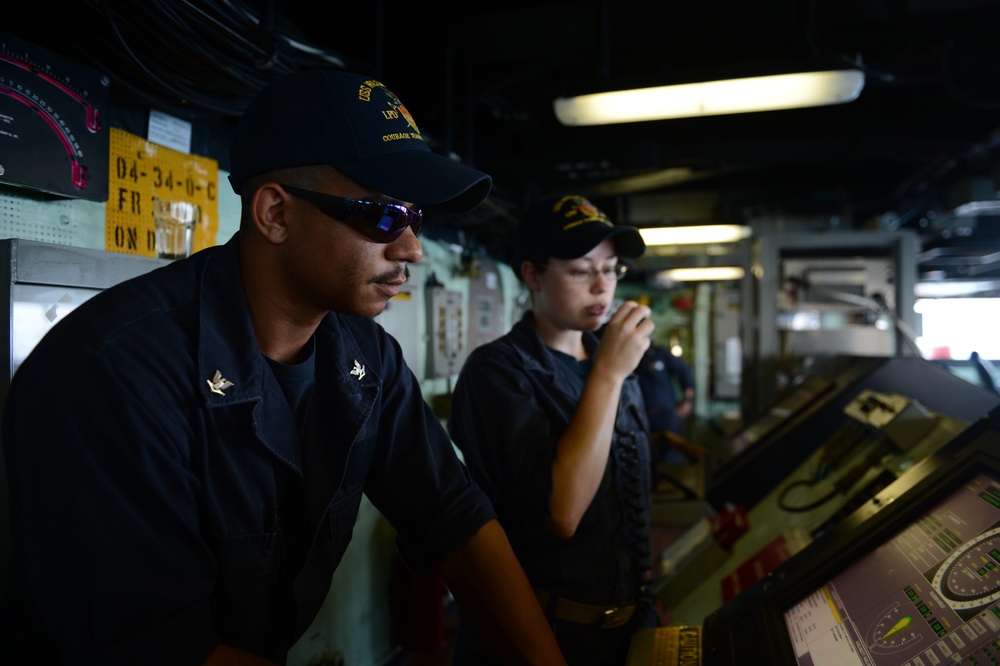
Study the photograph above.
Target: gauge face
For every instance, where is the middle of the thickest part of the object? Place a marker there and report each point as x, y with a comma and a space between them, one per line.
893, 630
56, 105
970, 577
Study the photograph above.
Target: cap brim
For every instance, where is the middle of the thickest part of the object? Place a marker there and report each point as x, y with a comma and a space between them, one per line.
628, 242
423, 178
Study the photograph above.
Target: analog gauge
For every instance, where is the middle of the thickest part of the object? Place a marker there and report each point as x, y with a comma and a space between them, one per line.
893, 630
970, 577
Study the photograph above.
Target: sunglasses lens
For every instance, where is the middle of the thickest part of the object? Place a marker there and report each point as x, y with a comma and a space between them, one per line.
387, 222
381, 222
416, 221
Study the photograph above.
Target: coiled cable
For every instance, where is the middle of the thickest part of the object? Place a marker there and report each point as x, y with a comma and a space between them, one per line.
636, 500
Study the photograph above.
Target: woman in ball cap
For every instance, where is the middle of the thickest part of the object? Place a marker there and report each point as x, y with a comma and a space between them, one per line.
549, 418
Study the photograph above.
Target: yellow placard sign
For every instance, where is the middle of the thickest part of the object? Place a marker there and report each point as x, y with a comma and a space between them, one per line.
139, 172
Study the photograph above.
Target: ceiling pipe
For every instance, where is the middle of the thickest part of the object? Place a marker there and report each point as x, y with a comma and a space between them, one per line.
449, 99
470, 101
379, 38
604, 38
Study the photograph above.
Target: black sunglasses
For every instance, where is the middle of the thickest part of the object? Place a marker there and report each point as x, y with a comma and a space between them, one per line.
380, 221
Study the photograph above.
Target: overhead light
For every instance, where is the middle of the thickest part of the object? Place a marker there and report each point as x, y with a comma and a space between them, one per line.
712, 98
705, 233
955, 288
977, 208
648, 181
700, 274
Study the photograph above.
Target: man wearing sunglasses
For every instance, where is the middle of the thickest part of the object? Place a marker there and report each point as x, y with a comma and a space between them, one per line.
187, 451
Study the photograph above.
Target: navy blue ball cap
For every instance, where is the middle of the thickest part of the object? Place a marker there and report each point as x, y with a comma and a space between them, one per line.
357, 125
569, 227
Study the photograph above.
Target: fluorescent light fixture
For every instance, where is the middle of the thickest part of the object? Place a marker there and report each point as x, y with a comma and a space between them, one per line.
954, 289
648, 181
701, 274
712, 98
976, 208
706, 233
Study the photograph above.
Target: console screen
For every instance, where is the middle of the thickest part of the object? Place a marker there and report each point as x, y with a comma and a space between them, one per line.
929, 595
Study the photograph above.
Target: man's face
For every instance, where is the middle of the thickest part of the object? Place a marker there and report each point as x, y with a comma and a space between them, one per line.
332, 266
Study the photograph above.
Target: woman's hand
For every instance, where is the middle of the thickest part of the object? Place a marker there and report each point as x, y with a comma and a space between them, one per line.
625, 339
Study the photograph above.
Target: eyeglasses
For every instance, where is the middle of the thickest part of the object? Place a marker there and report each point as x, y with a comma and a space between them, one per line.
380, 221
588, 275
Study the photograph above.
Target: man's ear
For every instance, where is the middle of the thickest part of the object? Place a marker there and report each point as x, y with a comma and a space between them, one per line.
267, 211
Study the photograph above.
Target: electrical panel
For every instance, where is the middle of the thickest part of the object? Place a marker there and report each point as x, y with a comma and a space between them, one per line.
447, 346
486, 313
838, 305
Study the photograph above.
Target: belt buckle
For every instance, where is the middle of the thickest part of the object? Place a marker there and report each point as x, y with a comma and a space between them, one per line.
615, 616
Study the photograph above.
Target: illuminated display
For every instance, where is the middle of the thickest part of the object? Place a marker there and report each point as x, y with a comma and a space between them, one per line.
928, 595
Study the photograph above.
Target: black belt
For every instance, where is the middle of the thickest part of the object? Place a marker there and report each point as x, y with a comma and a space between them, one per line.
605, 617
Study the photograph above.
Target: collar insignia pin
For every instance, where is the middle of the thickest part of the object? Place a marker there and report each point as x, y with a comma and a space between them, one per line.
218, 382
358, 370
